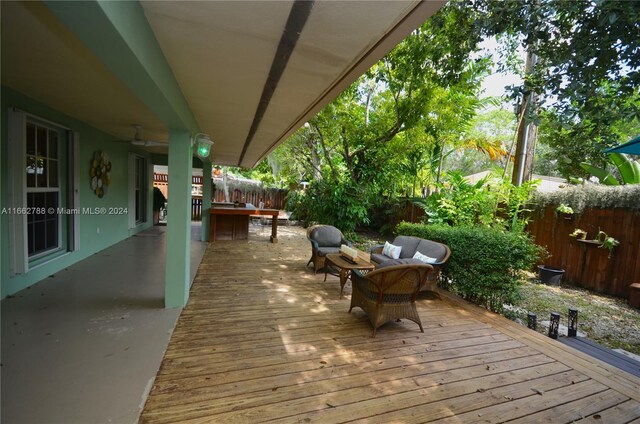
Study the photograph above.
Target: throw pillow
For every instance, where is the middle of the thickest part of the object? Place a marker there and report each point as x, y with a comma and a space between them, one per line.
424, 258
391, 251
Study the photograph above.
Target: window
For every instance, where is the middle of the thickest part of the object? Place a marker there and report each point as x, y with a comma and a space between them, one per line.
42, 189
42, 186
138, 190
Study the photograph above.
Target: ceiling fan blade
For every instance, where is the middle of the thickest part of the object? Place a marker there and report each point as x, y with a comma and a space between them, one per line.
148, 143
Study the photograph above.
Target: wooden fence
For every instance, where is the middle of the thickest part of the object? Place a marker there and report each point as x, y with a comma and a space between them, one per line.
585, 264
272, 198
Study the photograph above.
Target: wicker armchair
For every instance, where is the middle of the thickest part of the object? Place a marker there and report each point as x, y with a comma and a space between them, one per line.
324, 239
389, 292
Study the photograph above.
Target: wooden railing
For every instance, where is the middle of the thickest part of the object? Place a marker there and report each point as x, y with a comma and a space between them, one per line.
196, 208
585, 264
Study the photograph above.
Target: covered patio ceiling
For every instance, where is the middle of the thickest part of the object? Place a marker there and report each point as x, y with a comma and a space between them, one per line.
248, 73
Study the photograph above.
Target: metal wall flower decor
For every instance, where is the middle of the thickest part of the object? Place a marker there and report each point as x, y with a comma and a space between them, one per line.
100, 173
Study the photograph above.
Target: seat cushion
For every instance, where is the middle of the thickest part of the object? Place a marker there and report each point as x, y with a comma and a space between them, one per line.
432, 249
378, 258
392, 262
326, 236
324, 251
409, 245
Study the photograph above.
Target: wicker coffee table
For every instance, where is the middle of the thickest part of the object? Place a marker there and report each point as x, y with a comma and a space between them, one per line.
346, 266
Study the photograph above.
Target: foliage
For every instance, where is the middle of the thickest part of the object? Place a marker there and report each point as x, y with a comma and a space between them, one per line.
579, 234
158, 199
629, 170
591, 196
387, 134
460, 203
562, 208
485, 142
580, 46
486, 264
342, 206
386, 213
489, 202
297, 204
587, 69
607, 241
575, 139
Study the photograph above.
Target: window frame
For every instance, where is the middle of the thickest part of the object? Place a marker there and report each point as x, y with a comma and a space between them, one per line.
68, 234
59, 189
135, 191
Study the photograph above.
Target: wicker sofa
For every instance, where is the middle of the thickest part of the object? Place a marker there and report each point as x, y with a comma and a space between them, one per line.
410, 245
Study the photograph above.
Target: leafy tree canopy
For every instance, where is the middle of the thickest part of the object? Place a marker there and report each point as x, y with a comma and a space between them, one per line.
587, 70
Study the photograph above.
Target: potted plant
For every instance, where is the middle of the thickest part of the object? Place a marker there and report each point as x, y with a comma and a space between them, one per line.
565, 210
158, 203
607, 242
579, 234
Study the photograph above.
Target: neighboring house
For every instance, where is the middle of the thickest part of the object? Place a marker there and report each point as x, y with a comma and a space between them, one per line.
78, 77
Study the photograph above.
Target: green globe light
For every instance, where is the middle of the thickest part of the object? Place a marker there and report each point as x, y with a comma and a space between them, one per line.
203, 151
202, 144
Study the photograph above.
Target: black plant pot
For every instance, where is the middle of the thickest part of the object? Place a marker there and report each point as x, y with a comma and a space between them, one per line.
549, 275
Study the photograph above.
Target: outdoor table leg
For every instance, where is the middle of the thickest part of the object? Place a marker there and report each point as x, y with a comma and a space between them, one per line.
274, 229
344, 274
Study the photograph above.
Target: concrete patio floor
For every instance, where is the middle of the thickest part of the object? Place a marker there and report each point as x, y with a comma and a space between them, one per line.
85, 344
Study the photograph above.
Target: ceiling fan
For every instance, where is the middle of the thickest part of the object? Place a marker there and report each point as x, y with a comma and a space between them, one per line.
139, 141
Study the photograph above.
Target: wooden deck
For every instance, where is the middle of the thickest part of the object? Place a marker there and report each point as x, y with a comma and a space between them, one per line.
264, 339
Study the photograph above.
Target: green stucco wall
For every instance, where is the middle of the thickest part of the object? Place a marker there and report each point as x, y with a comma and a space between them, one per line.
96, 231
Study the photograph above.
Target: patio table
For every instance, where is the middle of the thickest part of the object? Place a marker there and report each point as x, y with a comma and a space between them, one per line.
346, 266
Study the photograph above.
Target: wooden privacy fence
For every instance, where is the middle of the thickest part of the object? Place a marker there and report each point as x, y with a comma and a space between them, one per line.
585, 264
275, 199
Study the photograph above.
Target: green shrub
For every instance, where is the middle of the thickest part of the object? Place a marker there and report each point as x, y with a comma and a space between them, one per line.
486, 264
342, 205
490, 202
296, 204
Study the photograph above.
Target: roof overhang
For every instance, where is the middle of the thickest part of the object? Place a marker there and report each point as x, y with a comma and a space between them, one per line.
247, 73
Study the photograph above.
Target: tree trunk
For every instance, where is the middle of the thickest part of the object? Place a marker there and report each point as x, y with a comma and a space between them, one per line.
527, 133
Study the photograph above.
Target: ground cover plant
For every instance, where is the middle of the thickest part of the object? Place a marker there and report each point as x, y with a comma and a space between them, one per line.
606, 319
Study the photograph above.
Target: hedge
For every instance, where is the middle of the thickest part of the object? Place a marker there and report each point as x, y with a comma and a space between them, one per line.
486, 265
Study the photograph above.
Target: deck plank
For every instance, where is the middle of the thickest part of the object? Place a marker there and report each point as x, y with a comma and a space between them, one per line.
264, 339
573, 411
626, 412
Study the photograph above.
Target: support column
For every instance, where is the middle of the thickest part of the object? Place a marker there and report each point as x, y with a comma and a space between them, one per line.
206, 198
178, 263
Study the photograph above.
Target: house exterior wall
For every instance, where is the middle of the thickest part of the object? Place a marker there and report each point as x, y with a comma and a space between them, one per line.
96, 231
